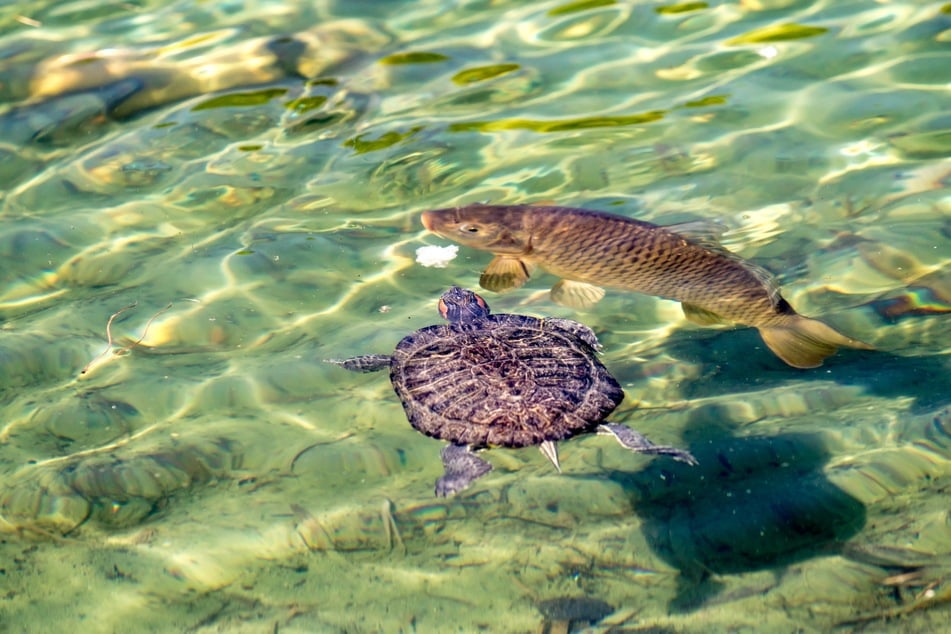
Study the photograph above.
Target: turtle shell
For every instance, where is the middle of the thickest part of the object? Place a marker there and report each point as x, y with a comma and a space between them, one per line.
503, 381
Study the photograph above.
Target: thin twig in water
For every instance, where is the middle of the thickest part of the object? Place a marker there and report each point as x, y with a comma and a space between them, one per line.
110, 341
145, 331
108, 347
390, 529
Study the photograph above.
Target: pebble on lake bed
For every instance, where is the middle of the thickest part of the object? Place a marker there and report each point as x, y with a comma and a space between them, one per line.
436, 256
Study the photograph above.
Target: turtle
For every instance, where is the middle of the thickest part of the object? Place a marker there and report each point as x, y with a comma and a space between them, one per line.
485, 380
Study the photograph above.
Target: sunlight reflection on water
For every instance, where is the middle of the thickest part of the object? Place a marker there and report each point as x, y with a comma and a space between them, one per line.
260, 167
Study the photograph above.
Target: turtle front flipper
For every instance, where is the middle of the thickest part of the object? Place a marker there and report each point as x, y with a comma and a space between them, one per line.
462, 467
363, 363
634, 441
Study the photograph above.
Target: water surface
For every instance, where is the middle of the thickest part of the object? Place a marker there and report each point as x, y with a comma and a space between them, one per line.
202, 201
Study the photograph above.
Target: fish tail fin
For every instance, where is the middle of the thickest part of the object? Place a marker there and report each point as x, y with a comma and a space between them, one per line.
804, 343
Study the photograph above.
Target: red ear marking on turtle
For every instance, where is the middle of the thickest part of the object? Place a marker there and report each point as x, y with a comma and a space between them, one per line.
443, 309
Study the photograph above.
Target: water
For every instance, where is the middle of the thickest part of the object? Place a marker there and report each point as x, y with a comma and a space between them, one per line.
202, 201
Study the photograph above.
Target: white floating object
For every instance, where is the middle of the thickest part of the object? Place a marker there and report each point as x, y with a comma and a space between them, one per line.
769, 52
435, 256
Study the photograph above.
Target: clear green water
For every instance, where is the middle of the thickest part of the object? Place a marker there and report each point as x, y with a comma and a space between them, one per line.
217, 476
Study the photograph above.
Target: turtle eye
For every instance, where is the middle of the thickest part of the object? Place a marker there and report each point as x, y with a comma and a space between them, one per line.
470, 228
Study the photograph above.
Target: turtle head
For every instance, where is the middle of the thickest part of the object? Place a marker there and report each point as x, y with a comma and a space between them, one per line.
458, 304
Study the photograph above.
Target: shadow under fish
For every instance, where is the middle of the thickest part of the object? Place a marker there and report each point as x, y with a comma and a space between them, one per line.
892, 376
589, 250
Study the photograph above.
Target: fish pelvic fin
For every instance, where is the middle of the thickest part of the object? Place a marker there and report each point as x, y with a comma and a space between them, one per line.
576, 294
805, 343
504, 274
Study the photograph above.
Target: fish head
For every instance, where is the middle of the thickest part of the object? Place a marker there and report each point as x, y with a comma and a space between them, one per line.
503, 230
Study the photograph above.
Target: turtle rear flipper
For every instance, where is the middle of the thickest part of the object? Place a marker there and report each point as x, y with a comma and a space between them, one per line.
363, 363
630, 439
462, 469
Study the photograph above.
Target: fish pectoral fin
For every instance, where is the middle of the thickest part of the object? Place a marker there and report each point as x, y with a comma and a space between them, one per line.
504, 274
576, 294
804, 342
701, 316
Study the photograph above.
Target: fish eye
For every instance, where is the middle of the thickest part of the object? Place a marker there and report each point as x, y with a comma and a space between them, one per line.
470, 228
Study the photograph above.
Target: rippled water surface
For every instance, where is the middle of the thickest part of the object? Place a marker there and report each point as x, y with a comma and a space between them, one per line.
202, 201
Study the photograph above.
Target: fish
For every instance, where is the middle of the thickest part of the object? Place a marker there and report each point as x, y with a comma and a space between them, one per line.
590, 250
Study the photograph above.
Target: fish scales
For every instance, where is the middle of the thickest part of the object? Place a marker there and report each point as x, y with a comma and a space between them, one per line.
589, 249
648, 259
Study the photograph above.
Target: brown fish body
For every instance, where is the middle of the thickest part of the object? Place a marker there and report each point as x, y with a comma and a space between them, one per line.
632, 255
591, 249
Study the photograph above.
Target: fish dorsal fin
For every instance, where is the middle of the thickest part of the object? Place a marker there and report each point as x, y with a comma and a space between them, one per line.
706, 233
767, 279
504, 274
576, 294
701, 316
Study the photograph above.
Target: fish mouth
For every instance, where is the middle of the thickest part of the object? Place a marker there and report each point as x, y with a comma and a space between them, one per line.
427, 219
